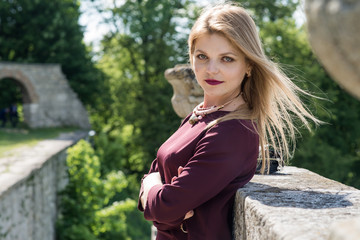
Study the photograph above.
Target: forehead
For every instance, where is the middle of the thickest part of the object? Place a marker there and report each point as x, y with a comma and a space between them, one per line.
214, 42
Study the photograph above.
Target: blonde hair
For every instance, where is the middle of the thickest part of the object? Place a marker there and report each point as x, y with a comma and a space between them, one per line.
272, 99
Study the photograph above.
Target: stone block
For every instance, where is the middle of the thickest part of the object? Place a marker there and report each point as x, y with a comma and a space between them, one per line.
292, 204
346, 230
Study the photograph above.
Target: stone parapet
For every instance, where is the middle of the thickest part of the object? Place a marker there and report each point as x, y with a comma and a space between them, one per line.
296, 204
30, 179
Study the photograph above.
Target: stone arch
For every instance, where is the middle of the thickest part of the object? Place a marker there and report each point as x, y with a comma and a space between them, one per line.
27, 89
29, 95
48, 100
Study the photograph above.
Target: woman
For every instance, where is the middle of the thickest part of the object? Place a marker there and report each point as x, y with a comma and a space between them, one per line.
189, 191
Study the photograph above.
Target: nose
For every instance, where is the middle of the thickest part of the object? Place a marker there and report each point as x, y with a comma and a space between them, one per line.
212, 67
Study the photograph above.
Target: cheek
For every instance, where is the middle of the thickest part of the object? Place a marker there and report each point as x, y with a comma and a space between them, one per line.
197, 67
196, 71
236, 72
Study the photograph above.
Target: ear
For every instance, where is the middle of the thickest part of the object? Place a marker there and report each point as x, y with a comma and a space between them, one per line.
248, 70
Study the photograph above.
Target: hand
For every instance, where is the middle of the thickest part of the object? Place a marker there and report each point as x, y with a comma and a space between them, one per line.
148, 182
190, 213
152, 179
180, 169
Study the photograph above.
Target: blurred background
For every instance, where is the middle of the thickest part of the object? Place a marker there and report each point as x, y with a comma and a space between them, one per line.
114, 54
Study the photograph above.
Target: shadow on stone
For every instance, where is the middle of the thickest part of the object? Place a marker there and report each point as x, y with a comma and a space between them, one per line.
307, 199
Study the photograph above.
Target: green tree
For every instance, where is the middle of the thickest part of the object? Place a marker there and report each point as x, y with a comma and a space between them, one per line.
272, 10
136, 116
144, 43
88, 209
48, 32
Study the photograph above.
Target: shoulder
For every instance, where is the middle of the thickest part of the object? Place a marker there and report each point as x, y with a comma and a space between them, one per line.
234, 128
231, 136
234, 143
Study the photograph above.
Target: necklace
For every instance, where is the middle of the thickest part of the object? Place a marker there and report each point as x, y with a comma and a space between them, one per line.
199, 111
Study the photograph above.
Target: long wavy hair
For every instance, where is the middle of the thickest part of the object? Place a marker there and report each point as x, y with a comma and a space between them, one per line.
272, 99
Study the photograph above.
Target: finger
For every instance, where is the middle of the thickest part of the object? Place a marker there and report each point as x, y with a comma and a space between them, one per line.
189, 214
180, 170
173, 179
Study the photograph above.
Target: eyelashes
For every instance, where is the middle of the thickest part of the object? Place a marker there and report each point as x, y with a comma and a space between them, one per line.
227, 59
201, 56
224, 58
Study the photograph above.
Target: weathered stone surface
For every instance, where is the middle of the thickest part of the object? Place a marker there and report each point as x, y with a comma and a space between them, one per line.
334, 33
30, 179
293, 204
187, 92
346, 230
48, 100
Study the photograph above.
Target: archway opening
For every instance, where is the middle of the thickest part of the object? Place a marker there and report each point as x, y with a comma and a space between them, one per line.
12, 97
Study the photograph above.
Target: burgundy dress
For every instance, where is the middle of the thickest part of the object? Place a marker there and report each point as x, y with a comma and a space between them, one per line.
216, 162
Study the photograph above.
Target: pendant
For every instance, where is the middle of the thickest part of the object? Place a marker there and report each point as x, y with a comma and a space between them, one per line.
193, 119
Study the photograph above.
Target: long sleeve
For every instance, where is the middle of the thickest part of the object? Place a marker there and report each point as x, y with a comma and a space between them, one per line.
223, 155
153, 168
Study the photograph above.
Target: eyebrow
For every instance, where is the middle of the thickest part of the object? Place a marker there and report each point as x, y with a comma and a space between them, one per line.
221, 54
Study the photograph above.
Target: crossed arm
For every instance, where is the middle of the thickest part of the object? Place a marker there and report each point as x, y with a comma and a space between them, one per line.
220, 157
154, 179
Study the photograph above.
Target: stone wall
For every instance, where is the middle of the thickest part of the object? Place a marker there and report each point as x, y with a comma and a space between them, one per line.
30, 179
48, 100
296, 204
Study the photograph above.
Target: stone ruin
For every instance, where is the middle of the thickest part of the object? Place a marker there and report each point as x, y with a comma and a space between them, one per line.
187, 92
334, 34
48, 100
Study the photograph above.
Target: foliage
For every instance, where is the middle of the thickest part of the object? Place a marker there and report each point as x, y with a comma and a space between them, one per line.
48, 32
140, 94
10, 93
271, 10
83, 194
138, 114
89, 206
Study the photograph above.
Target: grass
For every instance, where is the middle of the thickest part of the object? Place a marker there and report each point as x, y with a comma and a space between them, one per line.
14, 138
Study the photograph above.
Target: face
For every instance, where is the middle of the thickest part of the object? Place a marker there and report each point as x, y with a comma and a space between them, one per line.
219, 68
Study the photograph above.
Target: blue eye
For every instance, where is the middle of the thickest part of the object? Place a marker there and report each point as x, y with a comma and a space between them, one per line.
201, 56
228, 59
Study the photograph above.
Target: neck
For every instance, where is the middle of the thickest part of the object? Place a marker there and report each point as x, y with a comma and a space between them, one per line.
230, 103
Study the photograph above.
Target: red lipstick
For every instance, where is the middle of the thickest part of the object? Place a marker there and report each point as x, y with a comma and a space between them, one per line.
213, 81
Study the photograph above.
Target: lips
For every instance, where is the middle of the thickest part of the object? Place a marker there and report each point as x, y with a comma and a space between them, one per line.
213, 82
